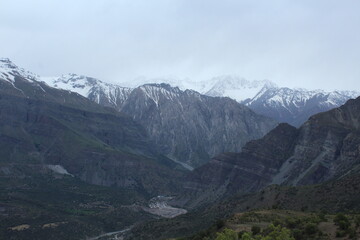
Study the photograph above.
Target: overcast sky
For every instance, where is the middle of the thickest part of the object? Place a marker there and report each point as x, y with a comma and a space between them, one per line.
302, 43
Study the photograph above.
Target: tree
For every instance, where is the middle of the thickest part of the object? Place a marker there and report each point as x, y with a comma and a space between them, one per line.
227, 234
278, 233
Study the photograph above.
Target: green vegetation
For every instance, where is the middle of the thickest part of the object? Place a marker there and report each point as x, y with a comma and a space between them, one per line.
345, 227
282, 225
270, 233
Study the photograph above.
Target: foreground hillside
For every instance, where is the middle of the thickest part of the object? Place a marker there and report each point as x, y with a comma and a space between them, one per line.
283, 224
337, 196
47, 205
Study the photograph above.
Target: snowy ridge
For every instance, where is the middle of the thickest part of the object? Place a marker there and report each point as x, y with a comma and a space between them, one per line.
291, 105
83, 85
156, 92
237, 88
222, 86
295, 106
8, 71
298, 97
94, 89
262, 96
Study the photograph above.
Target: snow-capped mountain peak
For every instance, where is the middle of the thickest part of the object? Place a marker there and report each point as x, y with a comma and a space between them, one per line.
238, 88
71, 82
96, 90
8, 71
222, 86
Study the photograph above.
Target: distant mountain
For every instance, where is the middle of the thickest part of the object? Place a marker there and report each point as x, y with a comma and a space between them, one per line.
231, 86
293, 106
326, 147
188, 127
106, 94
237, 88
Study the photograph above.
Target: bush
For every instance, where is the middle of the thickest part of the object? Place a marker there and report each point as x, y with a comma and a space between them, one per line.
255, 230
220, 224
342, 221
357, 221
340, 234
227, 234
311, 229
352, 233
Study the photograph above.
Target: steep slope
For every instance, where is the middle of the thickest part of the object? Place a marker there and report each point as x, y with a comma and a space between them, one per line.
45, 126
191, 127
325, 147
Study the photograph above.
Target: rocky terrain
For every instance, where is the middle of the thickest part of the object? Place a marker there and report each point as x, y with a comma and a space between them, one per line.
325, 147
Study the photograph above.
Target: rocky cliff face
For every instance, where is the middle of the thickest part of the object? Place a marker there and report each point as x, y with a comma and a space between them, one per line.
325, 147
190, 127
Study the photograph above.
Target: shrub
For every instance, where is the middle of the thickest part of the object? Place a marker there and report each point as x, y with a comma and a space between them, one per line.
255, 230
311, 229
342, 221
227, 234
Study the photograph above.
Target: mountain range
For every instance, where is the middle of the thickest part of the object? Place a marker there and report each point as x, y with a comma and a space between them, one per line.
188, 127
283, 104
80, 156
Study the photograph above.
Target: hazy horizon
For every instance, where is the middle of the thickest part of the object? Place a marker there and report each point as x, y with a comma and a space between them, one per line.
306, 44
